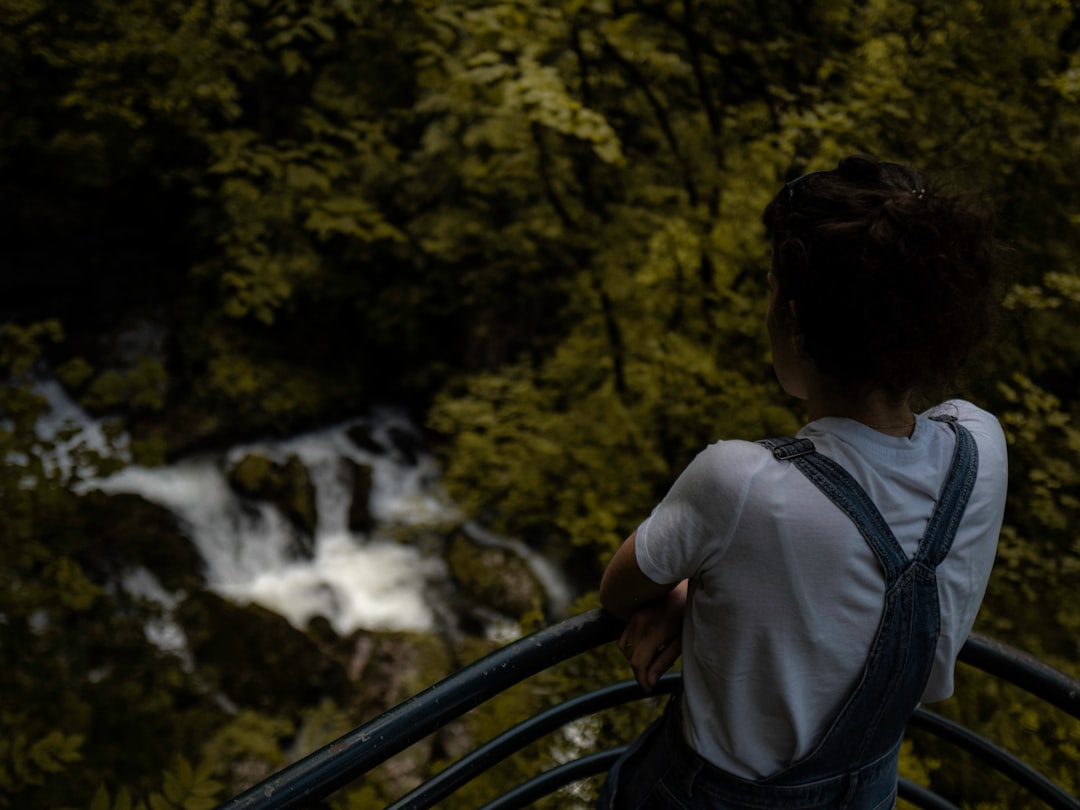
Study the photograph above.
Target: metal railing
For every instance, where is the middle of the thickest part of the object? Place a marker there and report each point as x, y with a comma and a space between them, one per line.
350, 757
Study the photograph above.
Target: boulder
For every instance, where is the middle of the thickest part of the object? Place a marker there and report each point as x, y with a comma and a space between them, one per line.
127, 531
256, 658
407, 443
360, 518
494, 577
288, 486
360, 435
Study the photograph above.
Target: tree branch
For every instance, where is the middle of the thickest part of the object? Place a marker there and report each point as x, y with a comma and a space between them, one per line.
662, 119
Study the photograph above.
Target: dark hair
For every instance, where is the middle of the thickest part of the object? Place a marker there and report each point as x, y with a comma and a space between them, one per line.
894, 281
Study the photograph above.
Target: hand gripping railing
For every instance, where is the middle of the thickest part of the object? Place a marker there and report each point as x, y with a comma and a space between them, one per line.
335, 765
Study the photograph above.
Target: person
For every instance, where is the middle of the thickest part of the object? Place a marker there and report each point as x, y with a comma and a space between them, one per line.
819, 587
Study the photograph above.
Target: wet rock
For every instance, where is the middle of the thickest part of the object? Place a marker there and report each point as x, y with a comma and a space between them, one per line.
128, 532
288, 486
321, 631
493, 577
360, 435
256, 657
407, 444
360, 518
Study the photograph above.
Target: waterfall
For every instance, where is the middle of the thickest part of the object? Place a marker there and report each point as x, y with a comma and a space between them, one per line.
355, 580
370, 579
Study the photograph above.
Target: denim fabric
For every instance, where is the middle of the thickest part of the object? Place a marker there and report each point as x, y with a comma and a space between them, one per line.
854, 766
661, 772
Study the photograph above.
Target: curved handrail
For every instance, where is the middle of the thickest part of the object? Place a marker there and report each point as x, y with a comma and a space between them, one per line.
1004, 762
333, 766
551, 780
1023, 670
454, 776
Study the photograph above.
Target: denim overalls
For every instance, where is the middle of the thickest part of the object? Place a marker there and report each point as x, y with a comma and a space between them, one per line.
855, 765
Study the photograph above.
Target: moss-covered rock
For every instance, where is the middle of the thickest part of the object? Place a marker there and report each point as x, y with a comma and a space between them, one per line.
494, 577
298, 496
252, 475
126, 531
288, 486
257, 658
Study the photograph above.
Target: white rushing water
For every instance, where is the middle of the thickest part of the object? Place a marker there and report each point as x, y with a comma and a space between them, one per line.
357, 580
250, 549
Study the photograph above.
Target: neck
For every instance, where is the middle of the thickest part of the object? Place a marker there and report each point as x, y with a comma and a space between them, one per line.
874, 409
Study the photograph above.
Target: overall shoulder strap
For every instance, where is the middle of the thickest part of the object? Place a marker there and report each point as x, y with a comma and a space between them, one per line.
786, 448
953, 499
839, 487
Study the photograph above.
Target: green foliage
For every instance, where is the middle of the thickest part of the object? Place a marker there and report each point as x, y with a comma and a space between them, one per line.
187, 788
141, 388
248, 748
540, 220
123, 801
24, 762
20, 347
87, 702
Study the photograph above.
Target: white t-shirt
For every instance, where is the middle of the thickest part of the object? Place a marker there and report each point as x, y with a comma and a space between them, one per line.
785, 594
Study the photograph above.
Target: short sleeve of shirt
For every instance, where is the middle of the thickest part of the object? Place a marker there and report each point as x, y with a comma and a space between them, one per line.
692, 526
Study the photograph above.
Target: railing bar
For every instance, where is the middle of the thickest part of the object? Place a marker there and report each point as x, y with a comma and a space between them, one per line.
514, 739
1023, 670
550, 781
922, 796
333, 766
999, 758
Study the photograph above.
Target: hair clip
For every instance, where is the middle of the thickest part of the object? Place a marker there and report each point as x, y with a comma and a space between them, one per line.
791, 185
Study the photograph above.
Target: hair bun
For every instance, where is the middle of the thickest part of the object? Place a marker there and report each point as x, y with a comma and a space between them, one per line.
895, 281
860, 168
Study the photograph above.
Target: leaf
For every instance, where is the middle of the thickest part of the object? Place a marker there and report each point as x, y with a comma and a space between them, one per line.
293, 62
101, 799
325, 31
174, 788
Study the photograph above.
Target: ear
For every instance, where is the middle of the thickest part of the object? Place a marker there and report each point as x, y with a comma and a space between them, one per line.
793, 319
794, 330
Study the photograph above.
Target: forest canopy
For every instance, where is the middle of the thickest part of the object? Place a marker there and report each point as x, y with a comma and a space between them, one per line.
535, 224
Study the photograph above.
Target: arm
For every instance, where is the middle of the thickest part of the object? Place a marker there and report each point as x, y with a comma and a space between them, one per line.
688, 533
652, 638
624, 587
